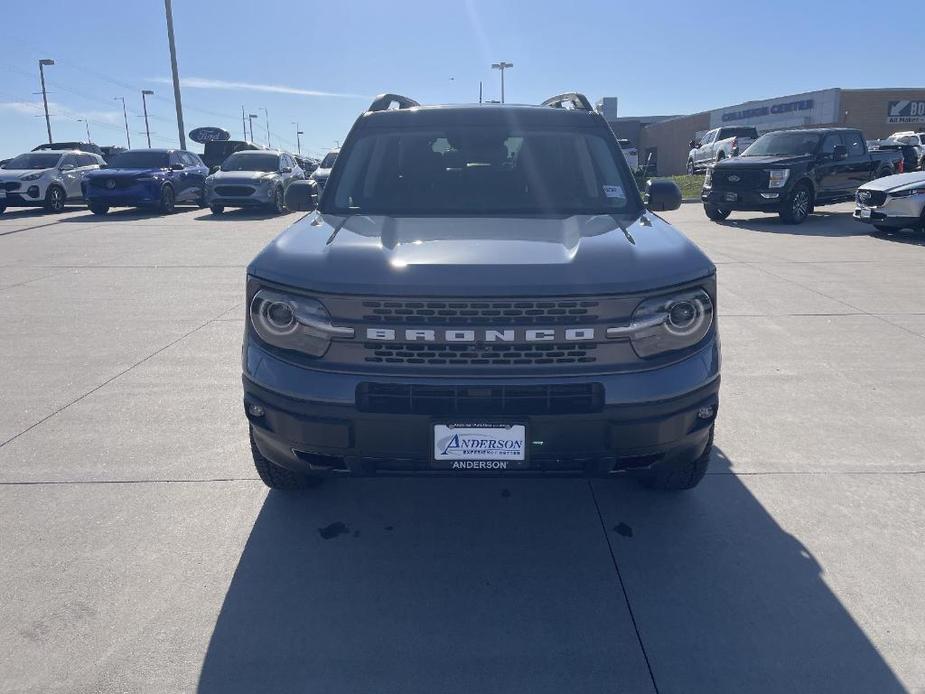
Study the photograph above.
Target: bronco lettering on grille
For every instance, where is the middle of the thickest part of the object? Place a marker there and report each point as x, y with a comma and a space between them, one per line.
484, 335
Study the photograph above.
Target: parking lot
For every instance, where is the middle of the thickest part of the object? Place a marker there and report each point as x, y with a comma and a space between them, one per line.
142, 554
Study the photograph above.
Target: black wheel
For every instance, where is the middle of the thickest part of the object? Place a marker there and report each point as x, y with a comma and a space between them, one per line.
96, 208
54, 199
797, 205
715, 213
276, 477
690, 167
2, 209
677, 476
217, 209
279, 204
202, 200
168, 200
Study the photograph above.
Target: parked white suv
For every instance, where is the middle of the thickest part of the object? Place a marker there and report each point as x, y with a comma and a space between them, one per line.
719, 144
48, 179
917, 140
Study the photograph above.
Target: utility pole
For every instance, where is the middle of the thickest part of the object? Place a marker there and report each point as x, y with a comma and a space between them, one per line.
128, 139
42, 63
250, 118
86, 123
243, 123
502, 66
298, 142
266, 115
168, 9
480, 91
144, 105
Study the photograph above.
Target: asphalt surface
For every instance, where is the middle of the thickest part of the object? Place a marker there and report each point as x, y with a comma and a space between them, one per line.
140, 553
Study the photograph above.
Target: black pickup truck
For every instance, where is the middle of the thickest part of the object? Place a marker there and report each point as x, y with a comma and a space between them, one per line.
792, 171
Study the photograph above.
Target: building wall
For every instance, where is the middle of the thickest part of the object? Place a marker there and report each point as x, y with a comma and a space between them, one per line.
868, 109
670, 138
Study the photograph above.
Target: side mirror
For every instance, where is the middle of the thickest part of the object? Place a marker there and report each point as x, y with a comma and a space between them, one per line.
286, 169
694, 144
662, 195
67, 167
840, 153
302, 196
177, 167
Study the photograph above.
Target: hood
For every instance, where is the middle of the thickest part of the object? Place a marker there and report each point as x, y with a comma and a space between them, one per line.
103, 173
897, 182
226, 176
741, 162
481, 256
16, 174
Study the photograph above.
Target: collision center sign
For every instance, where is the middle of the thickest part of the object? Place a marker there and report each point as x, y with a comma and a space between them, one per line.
905, 112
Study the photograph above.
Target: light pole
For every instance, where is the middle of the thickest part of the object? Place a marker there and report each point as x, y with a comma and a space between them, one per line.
250, 118
298, 142
42, 63
168, 10
502, 66
86, 123
128, 139
144, 105
243, 123
266, 115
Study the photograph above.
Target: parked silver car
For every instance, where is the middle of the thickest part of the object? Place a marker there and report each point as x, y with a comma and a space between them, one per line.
252, 178
320, 175
893, 202
48, 179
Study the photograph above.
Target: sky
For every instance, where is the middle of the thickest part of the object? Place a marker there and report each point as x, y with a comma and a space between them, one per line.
320, 63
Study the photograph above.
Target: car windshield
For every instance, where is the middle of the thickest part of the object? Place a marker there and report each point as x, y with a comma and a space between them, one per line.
778, 144
140, 160
248, 161
328, 160
497, 169
33, 161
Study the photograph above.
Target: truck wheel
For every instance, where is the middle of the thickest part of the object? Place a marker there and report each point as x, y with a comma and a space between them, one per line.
276, 477
715, 213
54, 199
677, 476
96, 208
690, 167
797, 205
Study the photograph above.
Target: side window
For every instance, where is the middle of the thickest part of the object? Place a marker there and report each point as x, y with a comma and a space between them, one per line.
828, 144
175, 158
853, 142
188, 159
710, 137
70, 159
85, 160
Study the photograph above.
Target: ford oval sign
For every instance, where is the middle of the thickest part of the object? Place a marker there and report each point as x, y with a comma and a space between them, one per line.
208, 134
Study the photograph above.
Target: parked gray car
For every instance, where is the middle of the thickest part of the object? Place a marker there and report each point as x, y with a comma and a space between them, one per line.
893, 202
48, 179
252, 178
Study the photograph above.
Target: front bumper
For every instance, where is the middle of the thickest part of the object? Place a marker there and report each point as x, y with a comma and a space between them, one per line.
314, 421
141, 194
745, 200
27, 194
897, 213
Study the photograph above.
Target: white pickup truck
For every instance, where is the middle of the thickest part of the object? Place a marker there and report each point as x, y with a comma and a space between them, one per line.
719, 144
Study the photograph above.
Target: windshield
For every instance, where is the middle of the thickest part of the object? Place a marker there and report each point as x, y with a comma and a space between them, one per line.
778, 144
251, 162
34, 161
499, 169
328, 161
139, 160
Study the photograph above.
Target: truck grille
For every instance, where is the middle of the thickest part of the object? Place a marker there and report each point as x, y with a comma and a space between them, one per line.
871, 198
236, 191
479, 354
481, 312
740, 180
389, 398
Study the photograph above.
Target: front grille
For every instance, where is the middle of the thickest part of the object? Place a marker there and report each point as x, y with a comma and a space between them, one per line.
237, 191
747, 180
117, 182
484, 354
486, 313
11, 185
871, 198
389, 398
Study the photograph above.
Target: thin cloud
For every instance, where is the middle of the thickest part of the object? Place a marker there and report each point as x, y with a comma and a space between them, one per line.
57, 110
205, 83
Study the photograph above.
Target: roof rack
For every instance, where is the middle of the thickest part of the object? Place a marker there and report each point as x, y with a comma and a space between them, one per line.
576, 99
384, 101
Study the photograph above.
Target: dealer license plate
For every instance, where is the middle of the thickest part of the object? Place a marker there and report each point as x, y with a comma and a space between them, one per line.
865, 213
480, 446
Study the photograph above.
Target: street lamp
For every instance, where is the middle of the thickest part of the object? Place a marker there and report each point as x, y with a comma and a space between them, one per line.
267, 116
502, 66
144, 105
42, 63
128, 138
298, 142
86, 123
168, 10
250, 119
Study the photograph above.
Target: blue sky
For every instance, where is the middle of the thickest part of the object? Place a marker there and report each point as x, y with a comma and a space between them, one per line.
318, 63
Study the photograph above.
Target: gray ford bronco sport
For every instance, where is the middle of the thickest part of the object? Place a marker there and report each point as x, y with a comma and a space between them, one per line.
481, 290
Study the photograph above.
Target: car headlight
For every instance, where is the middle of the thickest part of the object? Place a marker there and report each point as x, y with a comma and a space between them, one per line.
708, 178
907, 193
778, 178
32, 176
668, 323
293, 322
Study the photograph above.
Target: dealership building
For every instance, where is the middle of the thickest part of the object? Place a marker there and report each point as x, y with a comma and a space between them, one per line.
663, 140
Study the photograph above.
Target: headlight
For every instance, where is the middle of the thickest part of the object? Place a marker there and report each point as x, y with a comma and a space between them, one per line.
907, 193
778, 178
708, 178
294, 322
668, 323
210, 180
32, 176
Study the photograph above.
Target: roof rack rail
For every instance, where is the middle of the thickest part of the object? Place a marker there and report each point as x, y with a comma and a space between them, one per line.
576, 99
384, 101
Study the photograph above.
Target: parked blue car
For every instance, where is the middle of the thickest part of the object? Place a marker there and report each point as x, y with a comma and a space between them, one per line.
155, 178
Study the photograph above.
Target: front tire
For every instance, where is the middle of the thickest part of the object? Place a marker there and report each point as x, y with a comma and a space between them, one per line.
54, 199
678, 476
217, 209
715, 213
168, 201
279, 204
276, 477
96, 208
797, 205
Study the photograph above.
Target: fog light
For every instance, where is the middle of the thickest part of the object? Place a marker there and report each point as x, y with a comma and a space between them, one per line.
706, 412
255, 410
33, 191
770, 196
